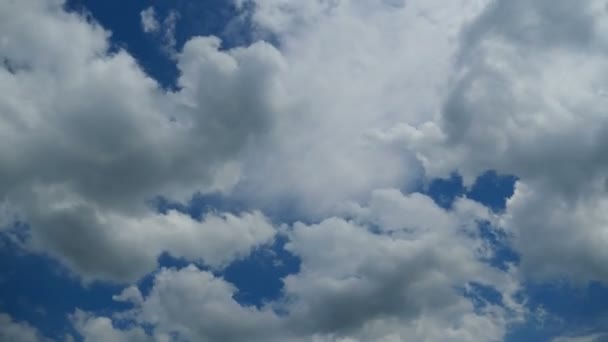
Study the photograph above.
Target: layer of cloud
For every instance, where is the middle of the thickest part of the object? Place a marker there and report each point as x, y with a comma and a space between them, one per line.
415, 279
356, 103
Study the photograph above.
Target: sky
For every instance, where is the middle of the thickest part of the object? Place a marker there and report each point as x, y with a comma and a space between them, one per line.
323, 170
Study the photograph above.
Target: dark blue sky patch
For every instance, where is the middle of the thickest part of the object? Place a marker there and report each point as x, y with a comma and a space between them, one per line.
285, 211
40, 291
489, 189
493, 190
259, 277
482, 295
122, 18
503, 254
196, 18
445, 190
569, 310
201, 204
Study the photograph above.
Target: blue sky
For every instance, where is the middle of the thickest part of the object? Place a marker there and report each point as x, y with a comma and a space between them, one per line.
330, 171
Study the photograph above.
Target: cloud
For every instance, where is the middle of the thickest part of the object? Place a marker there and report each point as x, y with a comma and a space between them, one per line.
401, 281
149, 23
122, 248
99, 329
527, 99
559, 237
355, 284
354, 106
88, 139
354, 70
164, 30
197, 306
11, 330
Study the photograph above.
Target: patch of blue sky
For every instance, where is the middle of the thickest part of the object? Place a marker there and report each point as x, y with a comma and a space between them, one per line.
489, 189
39, 290
195, 18
482, 295
562, 309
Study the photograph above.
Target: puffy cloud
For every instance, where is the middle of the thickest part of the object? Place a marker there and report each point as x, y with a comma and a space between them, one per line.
194, 305
149, 23
528, 98
11, 330
100, 329
354, 70
415, 279
88, 139
400, 281
557, 237
109, 246
356, 97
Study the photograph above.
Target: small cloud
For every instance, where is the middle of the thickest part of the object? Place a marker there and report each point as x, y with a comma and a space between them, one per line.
169, 25
583, 338
163, 29
149, 23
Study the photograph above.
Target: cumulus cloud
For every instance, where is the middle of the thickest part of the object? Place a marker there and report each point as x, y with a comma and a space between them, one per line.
126, 248
354, 70
368, 285
11, 330
355, 106
526, 98
355, 283
88, 139
100, 329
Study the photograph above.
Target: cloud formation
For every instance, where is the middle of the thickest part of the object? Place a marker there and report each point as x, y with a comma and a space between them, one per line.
88, 139
11, 330
527, 98
355, 284
339, 122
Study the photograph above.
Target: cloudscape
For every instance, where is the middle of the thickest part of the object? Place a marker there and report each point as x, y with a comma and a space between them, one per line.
303, 170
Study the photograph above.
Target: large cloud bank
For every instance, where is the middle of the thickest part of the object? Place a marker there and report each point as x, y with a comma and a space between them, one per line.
355, 104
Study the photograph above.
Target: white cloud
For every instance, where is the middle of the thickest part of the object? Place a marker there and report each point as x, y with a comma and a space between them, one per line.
357, 97
354, 285
200, 307
527, 99
11, 330
354, 69
149, 23
559, 237
88, 139
101, 329
364, 285
109, 246
164, 30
